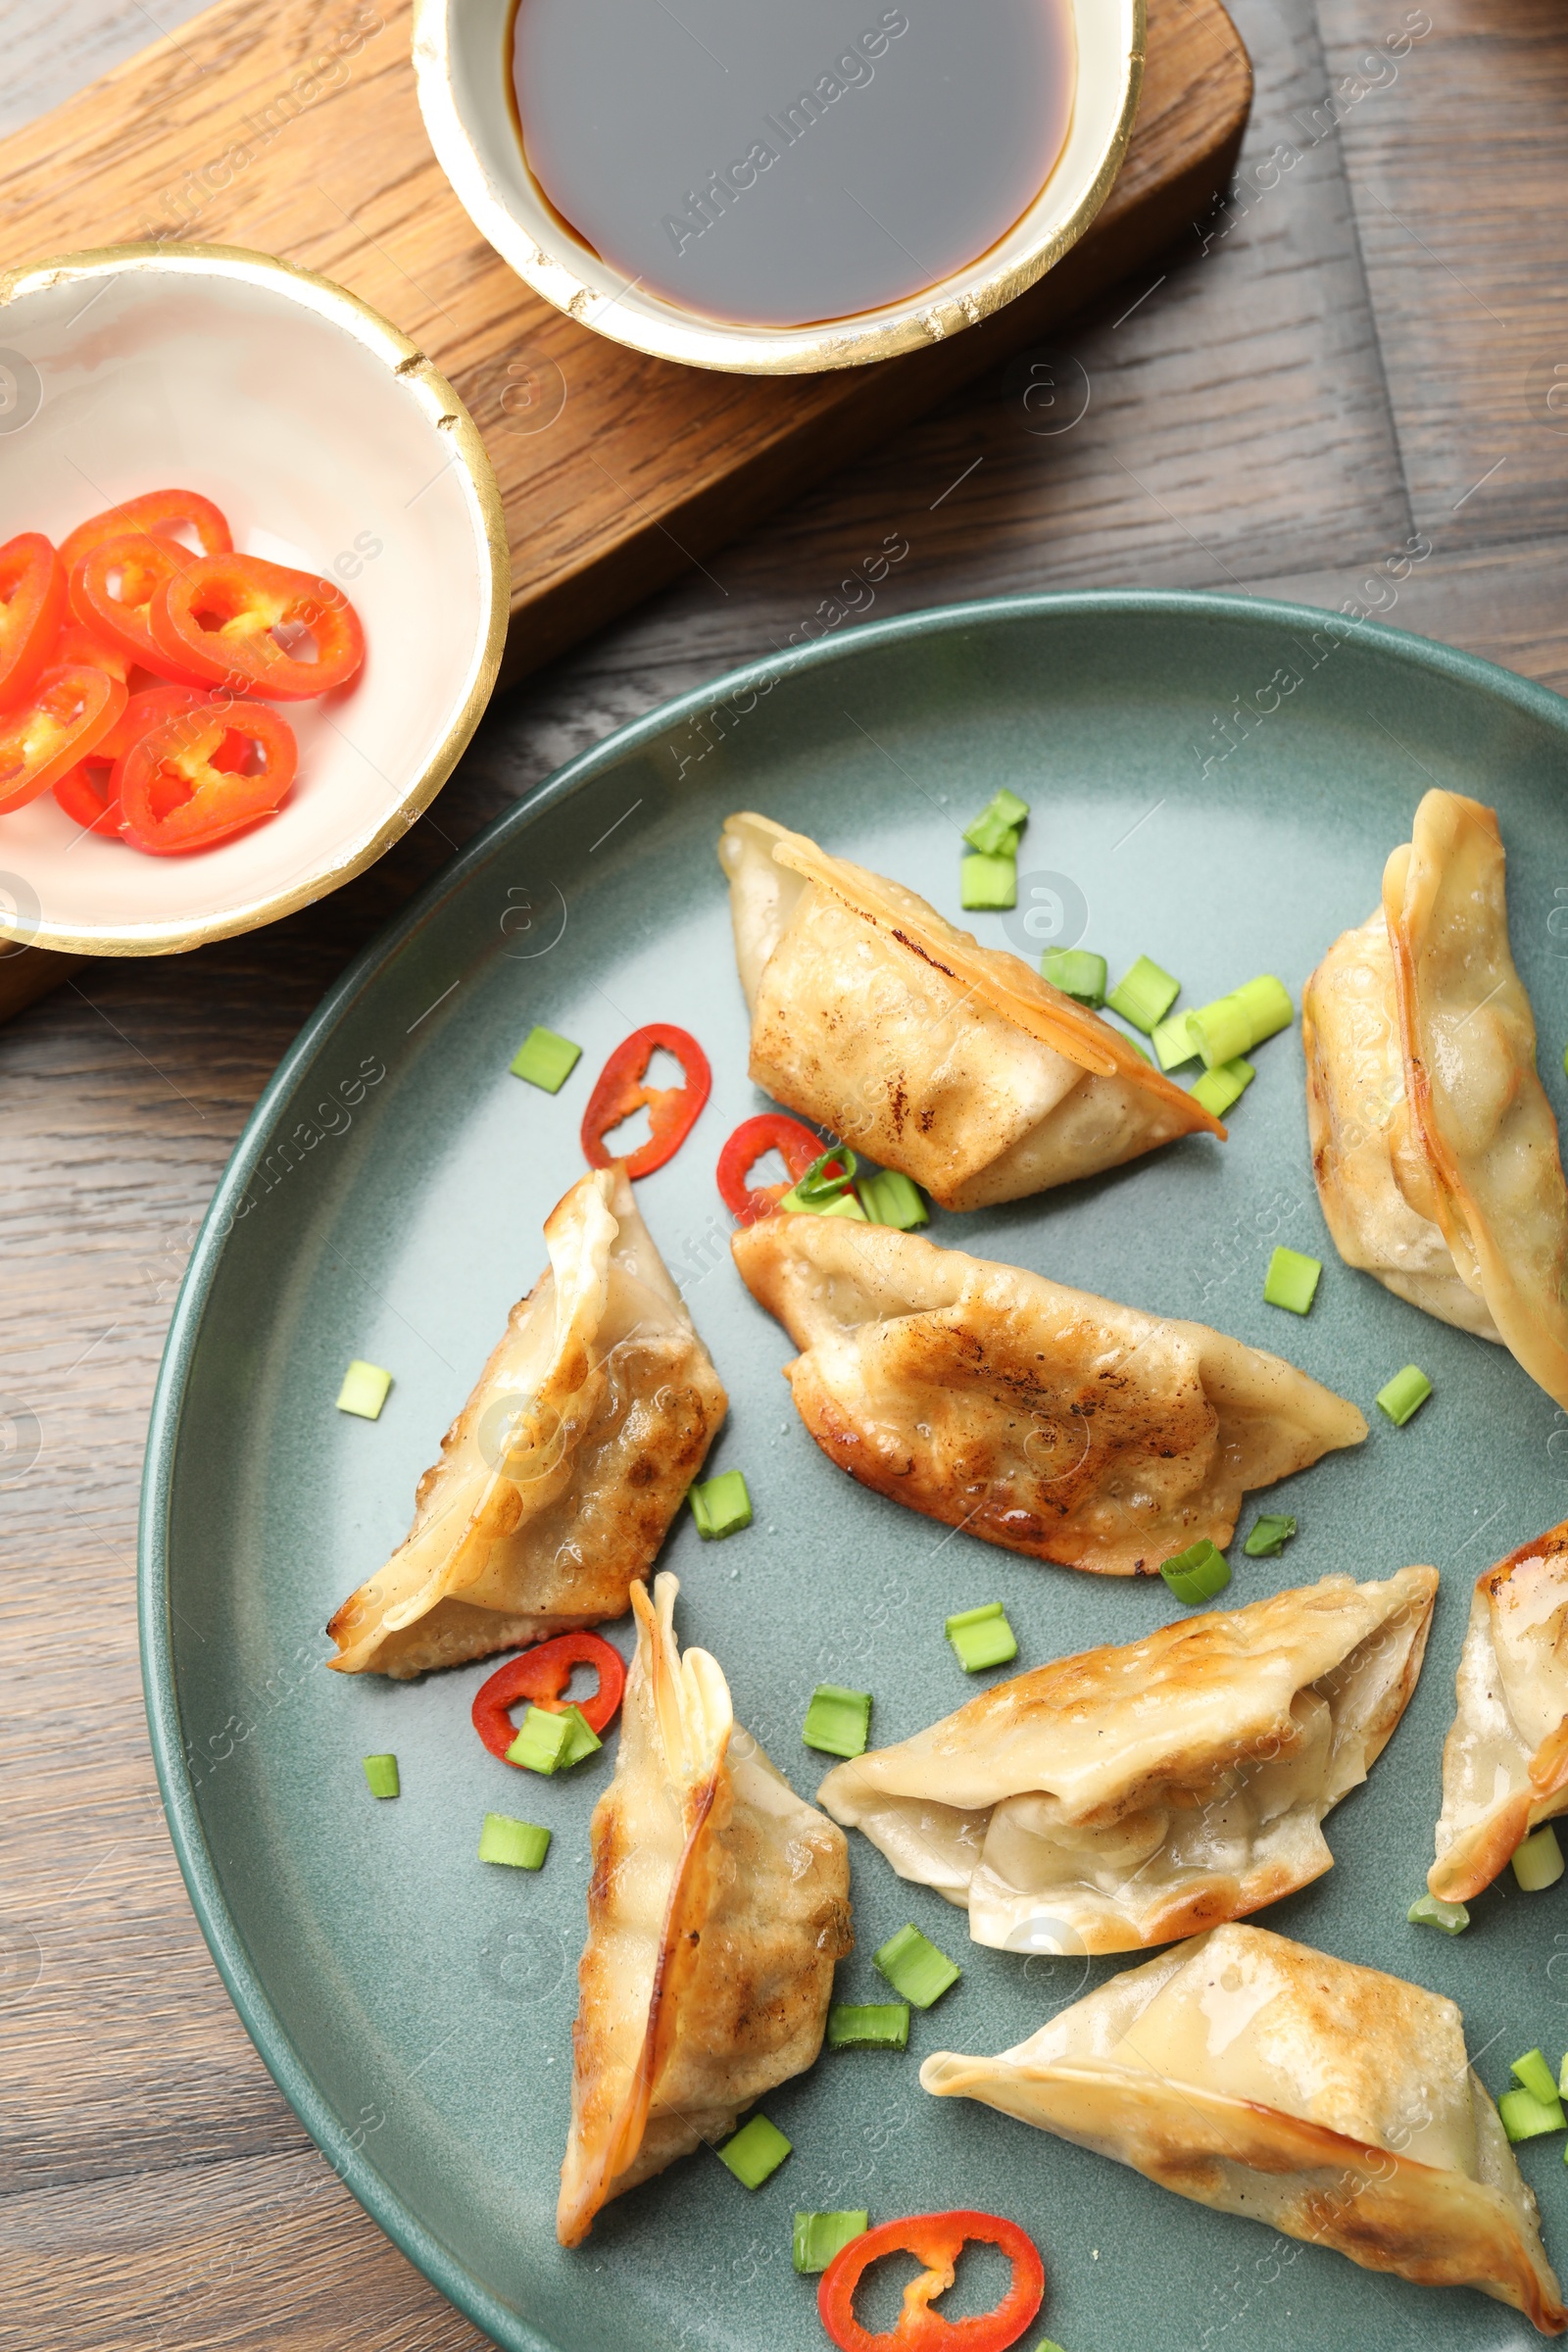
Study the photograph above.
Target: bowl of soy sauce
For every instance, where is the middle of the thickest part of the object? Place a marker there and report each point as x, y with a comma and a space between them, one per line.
778, 189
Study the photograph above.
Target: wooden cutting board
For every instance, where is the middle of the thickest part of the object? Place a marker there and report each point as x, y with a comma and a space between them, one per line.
292, 127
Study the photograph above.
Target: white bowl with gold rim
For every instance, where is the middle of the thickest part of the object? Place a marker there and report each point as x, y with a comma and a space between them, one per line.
463, 65
331, 444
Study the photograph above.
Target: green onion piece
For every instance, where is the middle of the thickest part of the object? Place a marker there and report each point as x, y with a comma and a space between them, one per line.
817, 1185
1271, 1532
1233, 1026
520, 1845
890, 1199
868, 2025
364, 1391
546, 1059
914, 1968
722, 1506
1533, 2074
1145, 995
1173, 1043
1525, 2117
381, 1773
757, 2151
845, 1206
982, 1637
541, 1743
1046, 2344
1198, 1573
818, 2236
837, 1721
988, 883
1429, 1911
1538, 1862
1405, 1394
1077, 973
995, 830
1217, 1090
1562, 2080
583, 1740
1292, 1280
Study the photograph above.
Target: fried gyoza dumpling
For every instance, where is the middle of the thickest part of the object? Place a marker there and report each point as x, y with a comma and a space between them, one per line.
1040, 1419
560, 1475
1505, 1761
1325, 2100
1434, 1144
954, 1062
1128, 1796
719, 1903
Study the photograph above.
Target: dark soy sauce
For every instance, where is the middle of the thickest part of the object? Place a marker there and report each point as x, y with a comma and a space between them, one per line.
776, 163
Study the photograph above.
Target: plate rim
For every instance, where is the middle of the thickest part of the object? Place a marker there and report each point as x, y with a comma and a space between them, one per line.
242, 1980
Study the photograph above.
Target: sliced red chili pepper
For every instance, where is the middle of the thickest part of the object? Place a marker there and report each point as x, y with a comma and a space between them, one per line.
753, 1139
112, 590
75, 644
88, 793
67, 714
239, 617
84, 793
541, 1676
32, 603
167, 511
937, 2239
672, 1110
175, 795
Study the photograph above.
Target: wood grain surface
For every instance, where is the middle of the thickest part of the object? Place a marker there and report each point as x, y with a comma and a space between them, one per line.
1338, 360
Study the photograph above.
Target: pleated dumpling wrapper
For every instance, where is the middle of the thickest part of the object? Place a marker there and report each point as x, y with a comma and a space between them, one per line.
1506, 1760
1323, 2099
558, 1479
1434, 1144
1127, 1796
717, 1906
1040, 1419
957, 1063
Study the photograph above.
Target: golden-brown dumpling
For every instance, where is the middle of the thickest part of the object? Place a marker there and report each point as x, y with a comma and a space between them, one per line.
717, 1906
1506, 1760
1127, 1796
1434, 1144
560, 1477
1323, 2099
1037, 1417
957, 1063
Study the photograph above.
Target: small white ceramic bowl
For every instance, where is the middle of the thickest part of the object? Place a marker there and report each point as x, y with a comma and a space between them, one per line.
331, 444
463, 66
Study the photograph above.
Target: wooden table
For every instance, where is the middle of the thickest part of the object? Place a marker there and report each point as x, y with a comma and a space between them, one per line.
1356, 352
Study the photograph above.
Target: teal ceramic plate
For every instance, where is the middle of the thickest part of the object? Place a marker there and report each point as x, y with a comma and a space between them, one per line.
1215, 783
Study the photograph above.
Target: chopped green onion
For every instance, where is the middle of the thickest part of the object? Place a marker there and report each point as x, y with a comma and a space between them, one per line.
1145, 995
364, 1391
1271, 1532
890, 1199
546, 1059
914, 1968
1405, 1394
1292, 1280
1430, 1911
818, 2236
988, 883
837, 1721
817, 1185
1562, 2080
1173, 1043
995, 830
1198, 1573
381, 1773
552, 1740
520, 1845
844, 1206
1533, 2074
1077, 973
722, 1506
868, 2025
1538, 1862
1217, 1090
583, 1741
1233, 1026
1524, 2117
756, 2152
982, 1637
1047, 2345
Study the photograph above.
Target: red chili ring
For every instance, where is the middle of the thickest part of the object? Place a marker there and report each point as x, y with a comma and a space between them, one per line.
753, 1139
540, 1676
